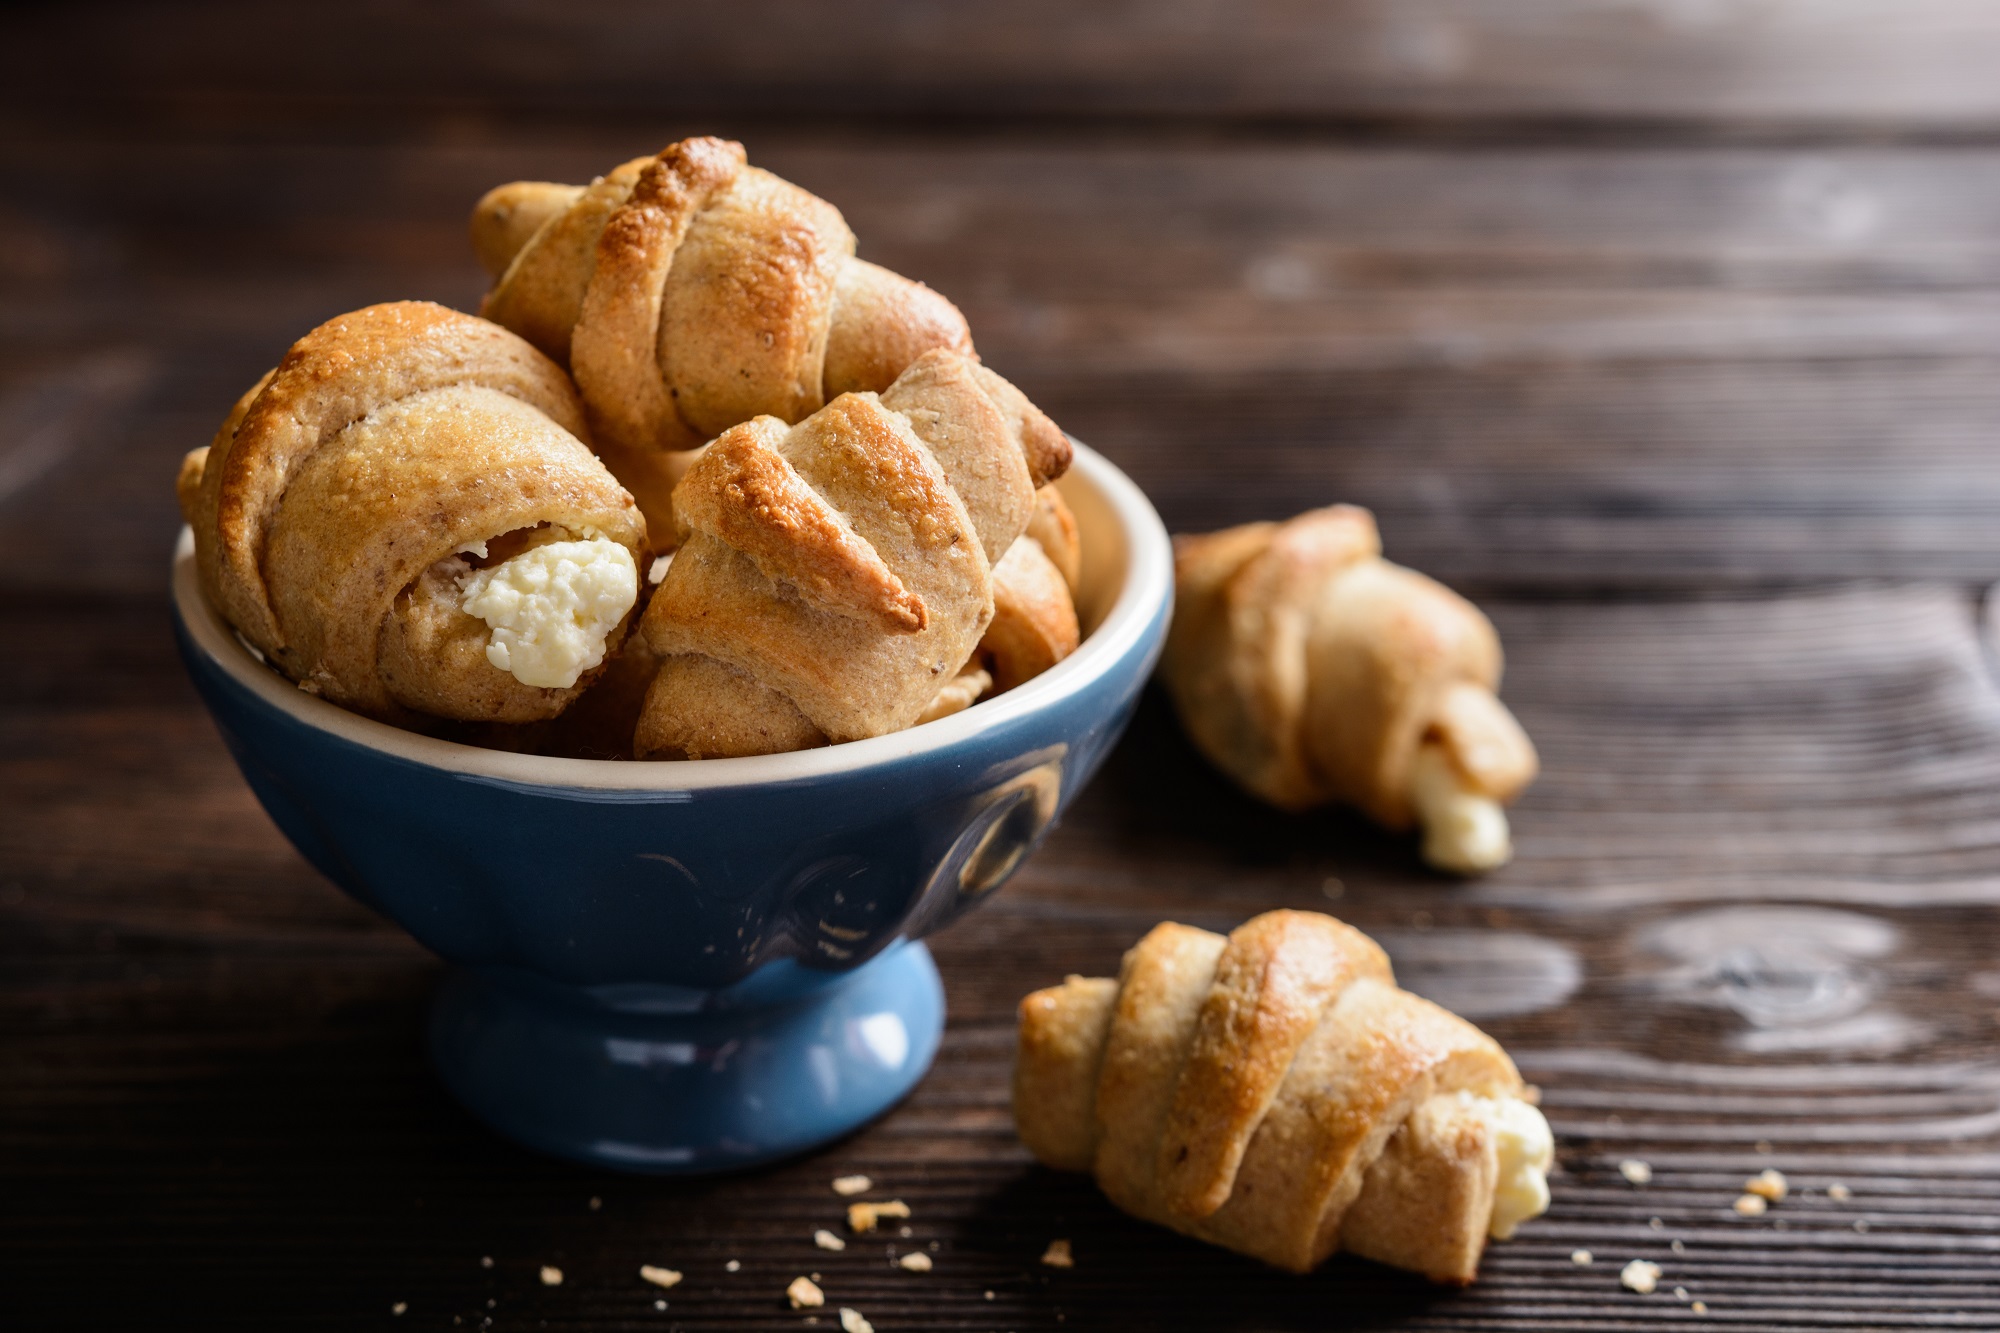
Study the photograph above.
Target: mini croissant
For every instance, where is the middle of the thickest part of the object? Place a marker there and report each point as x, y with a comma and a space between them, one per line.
1311, 670
838, 573
1276, 1093
404, 516
688, 292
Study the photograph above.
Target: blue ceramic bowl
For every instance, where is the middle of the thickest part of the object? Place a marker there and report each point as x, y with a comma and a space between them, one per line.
695, 966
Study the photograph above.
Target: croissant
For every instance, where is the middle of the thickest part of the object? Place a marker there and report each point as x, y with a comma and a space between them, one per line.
688, 292
403, 516
1276, 1093
836, 573
1311, 670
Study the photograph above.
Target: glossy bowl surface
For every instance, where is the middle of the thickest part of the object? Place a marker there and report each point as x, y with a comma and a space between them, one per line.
689, 906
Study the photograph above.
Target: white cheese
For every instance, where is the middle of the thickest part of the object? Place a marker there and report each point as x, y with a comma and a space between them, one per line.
551, 607
1463, 831
1527, 1150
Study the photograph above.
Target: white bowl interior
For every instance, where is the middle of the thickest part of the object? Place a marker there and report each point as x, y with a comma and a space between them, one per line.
1127, 574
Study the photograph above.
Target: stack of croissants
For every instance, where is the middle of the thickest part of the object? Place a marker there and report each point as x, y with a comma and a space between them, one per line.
699, 483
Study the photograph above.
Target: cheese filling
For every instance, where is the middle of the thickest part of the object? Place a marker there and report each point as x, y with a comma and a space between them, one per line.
551, 607
1527, 1150
1463, 831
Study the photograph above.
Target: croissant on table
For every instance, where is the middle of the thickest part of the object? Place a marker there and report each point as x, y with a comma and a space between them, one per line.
404, 517
1276, 1093
1311, 670
837, 574
688, 292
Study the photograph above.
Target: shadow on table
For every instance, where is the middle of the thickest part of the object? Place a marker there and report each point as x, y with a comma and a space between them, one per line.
1193, 1286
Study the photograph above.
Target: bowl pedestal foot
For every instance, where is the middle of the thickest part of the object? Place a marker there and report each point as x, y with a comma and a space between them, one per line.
670, 1080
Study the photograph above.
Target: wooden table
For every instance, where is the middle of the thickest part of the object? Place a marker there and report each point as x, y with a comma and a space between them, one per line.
1669, 329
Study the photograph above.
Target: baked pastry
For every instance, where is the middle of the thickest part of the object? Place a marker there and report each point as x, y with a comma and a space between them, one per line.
1034, 621
1275, 1092
688, 292
836, 573
1311, 670
404, 517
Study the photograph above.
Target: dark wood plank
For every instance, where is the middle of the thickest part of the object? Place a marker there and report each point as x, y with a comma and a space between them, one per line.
1544, 368
1636, 318
1748, 927
1909, 63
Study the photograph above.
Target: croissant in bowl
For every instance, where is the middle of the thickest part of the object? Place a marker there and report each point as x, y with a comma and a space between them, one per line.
838, 573
1276, 1092
1311, 670
688, 292
404, 518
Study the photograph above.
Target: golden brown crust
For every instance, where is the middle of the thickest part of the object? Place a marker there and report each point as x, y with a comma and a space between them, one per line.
328, 512
187, 482
701, 708
949, 402
1420, 1203
1054, 526
1308, 1092
1279, 971
507, 217
744, 325
745, 493
690, 292
806, 545
957, 694
883, 321
1309, 669
1034, 621
331, 378
540, 296
1047, 449
615, 347
1062, 1039
389, 499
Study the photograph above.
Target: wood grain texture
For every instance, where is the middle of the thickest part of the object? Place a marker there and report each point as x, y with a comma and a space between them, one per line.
1922, 63
1544, 368
199, 1033
1669, 327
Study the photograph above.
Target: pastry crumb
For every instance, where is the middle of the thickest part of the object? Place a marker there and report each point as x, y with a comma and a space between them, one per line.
826, 1240
1679, 1248
1680, 1293
1058, 1255
1839, 1193
1751, 1205
864, 1217
551, 1275
1656, 1224
916, 1261
852, 1322
733, 1266
1582, 1258
1768, 1184
659, 1305
848, 1186
1636, 1171
1699, 1307
989, 1295
804, 1295
1641, 1275
595, 1203
400, 1308
486, 1261
659, 1277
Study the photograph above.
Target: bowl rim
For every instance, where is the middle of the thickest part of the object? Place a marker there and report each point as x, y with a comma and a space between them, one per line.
1146, 595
